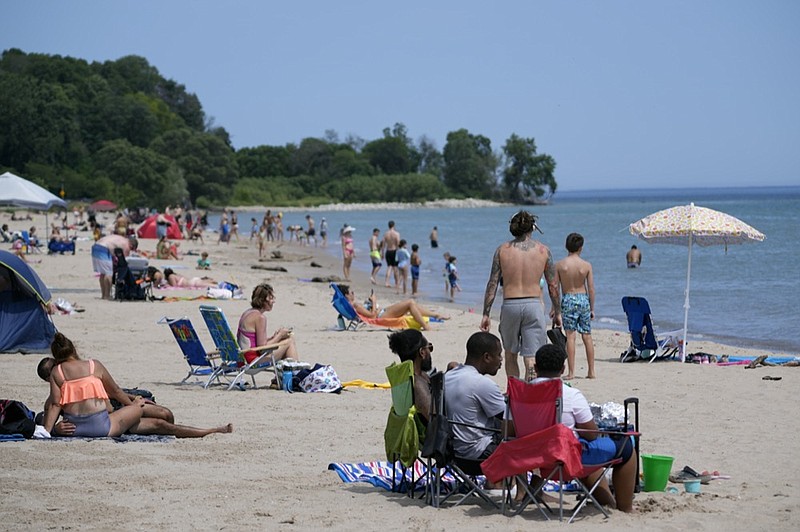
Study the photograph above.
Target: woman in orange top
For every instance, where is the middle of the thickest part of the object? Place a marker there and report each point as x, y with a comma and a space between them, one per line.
77, 391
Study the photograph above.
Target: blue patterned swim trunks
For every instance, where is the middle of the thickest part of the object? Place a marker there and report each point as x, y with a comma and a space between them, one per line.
576, 313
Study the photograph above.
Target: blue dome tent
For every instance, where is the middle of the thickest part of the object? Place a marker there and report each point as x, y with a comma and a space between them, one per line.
25, 325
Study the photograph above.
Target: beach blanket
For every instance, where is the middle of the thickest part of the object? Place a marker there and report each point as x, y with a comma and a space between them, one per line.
379, 474
125, 438
403, 322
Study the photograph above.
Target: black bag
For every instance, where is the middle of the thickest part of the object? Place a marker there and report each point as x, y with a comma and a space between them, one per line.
557, 337
146, 394
16, 418
438, 442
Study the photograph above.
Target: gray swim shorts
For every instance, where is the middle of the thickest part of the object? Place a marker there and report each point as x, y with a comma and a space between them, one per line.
523, 326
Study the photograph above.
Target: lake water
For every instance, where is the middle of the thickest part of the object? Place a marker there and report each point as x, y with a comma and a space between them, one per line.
745, 295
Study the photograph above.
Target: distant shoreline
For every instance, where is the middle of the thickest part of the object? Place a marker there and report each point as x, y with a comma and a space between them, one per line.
468, 203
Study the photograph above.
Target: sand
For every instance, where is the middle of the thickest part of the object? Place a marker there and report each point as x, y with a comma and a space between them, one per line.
271, 473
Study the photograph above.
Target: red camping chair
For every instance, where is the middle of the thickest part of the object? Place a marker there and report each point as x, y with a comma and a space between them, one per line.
542, 442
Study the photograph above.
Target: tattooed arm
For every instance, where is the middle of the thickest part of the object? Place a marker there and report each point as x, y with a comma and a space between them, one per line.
551, 276
491, 291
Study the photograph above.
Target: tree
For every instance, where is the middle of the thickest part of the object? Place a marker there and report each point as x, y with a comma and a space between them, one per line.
140, 176
469, 163
526, 173
208, 164
263, 161
430, 158
394, 153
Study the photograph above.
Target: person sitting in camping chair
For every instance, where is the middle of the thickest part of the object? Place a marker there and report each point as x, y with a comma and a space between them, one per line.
577, 415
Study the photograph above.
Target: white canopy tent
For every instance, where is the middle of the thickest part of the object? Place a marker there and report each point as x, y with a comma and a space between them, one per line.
18, 192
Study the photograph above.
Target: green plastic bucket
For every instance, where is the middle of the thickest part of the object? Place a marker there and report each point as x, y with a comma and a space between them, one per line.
656, 470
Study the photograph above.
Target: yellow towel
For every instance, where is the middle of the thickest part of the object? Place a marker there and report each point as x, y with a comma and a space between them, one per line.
364, 384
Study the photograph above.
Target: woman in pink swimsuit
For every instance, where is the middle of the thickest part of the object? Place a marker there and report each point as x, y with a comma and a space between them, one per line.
252, 330
348, 251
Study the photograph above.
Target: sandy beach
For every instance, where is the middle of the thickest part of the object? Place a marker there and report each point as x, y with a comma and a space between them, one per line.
271, 473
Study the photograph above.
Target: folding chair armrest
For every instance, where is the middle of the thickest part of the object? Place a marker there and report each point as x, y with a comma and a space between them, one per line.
266, 347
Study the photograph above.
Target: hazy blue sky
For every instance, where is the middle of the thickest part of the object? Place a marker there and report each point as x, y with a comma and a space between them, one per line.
621, 93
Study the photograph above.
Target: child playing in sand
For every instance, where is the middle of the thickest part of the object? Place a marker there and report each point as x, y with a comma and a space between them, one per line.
452, 277
203, 263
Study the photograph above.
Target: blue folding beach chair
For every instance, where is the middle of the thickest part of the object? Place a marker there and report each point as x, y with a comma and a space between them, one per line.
232, 356
350, 320
202, 365
644, 343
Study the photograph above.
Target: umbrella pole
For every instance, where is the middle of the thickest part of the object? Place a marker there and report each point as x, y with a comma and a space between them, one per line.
686, 301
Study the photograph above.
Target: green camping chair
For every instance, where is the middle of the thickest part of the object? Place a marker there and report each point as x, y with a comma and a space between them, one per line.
404, 431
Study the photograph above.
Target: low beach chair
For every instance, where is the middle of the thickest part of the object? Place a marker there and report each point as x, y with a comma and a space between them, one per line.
350, 321
202, 364
645, 345
232, 356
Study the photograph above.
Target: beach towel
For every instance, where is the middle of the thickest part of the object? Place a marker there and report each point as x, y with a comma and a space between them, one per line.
359, 383
379, 474
125, 438
403, 322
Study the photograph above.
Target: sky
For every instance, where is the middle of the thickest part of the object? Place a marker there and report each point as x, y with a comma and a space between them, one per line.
623, 94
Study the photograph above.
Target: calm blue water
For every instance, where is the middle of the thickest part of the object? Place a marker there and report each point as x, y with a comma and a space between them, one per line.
746, 296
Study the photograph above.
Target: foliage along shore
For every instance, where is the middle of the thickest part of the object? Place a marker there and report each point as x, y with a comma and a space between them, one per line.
468, 203
119, 130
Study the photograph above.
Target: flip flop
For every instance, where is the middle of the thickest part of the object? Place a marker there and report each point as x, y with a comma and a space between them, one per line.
768, 378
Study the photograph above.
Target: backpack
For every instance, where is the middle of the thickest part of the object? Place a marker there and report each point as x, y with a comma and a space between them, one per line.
320, 379
16, 418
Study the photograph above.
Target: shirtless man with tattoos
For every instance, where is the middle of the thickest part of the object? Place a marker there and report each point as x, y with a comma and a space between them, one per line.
519, 264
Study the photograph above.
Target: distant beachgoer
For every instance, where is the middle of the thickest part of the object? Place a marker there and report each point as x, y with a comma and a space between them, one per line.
224, 228
5, 233
634, 257
391, 240
323, 231
102, 262
520, 263
348, 250
375, 246
452, 277
403, 264
162, 226
416, 262
170, 278
253, 229
167, 250
435, 237
575, 277
234, 226
311, 232
446, 256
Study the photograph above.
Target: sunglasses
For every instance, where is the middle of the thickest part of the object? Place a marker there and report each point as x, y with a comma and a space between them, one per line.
428, 345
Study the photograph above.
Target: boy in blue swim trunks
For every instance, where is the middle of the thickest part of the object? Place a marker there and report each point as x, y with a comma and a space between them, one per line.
577, 302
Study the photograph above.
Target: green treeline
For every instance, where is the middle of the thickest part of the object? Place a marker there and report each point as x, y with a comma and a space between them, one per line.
119, 130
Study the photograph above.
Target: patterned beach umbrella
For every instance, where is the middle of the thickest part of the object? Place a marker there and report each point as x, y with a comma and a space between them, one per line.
687, 225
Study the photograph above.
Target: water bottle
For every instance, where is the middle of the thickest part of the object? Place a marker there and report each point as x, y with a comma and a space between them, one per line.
287, 378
